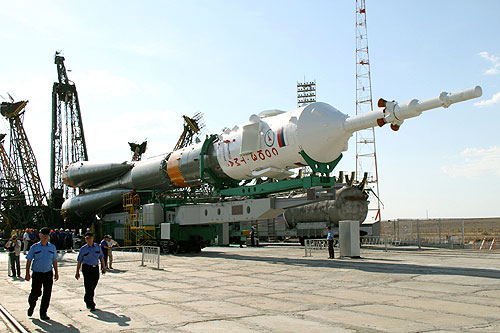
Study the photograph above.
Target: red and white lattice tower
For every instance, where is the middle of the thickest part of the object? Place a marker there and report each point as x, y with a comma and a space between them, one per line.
366, 155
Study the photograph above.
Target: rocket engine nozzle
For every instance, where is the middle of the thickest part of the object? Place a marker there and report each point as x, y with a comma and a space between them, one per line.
390, 116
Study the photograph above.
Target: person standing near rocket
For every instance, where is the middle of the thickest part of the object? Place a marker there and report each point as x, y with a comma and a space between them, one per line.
88, 260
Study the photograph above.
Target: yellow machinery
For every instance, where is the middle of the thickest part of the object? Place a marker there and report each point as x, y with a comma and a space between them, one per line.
134, 226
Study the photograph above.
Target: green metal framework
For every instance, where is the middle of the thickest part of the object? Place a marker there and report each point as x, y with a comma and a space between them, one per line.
276, 187
323, 168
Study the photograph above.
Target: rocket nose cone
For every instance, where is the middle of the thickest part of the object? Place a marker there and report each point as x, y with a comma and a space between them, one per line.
320, 132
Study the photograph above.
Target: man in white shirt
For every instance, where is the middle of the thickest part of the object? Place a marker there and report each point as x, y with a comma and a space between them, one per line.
14, 247
111, 243
26, 239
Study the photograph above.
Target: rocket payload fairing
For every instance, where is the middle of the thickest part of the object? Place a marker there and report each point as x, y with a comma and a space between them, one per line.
269, 145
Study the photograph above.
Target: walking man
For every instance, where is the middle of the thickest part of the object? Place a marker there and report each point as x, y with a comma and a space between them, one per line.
329, 238
105, 248
43, 255
111, 243
88, 259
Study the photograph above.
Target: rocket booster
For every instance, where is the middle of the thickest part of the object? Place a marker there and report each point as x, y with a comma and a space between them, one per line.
270, 145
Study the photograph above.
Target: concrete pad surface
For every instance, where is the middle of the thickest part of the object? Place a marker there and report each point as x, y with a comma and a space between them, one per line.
274, 289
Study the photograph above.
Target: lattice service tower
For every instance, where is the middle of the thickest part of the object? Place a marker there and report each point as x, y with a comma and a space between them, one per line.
68, 146
23, 159
366, 155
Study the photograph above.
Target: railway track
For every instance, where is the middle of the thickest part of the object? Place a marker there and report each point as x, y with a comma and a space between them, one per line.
10, 322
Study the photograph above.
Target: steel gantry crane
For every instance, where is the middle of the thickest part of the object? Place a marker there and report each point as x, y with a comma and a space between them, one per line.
69, 146
11, 197
22, 173
192, 126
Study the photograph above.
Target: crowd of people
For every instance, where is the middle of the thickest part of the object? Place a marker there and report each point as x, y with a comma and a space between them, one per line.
62, 239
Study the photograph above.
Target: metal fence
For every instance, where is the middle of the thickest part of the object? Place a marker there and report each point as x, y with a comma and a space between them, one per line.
485, 244
447, 233
127, 254
151, 254
314, 245
144, 254
311, 245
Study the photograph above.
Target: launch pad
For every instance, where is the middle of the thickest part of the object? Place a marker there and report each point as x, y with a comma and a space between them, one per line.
276, 289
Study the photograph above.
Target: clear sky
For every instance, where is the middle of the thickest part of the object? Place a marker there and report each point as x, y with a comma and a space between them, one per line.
140, 65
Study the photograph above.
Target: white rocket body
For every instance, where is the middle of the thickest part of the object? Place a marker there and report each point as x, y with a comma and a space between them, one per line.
269, 145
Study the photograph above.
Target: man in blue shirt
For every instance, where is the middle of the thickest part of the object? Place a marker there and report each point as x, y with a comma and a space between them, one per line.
252, 236
43, 255
105, 248
88, 259
329, 238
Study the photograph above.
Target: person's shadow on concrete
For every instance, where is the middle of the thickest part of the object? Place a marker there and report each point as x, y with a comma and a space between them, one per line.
110, 317
116, 271
54, 326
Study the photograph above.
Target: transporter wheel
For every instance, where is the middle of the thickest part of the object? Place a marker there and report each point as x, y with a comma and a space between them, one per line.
164, 247
174, 248
195, 244
197, 247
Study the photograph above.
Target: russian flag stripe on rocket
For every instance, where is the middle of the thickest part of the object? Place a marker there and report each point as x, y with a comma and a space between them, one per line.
281, 137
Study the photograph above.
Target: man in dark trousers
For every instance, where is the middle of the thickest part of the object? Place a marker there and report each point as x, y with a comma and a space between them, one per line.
104, 248
43, 255
329, 238
14, 247
88, 259
252, 236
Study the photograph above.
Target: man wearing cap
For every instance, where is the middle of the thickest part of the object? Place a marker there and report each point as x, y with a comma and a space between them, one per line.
43, 255
88, 259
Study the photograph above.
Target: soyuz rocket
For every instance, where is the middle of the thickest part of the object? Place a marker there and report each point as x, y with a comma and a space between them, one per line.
269, 145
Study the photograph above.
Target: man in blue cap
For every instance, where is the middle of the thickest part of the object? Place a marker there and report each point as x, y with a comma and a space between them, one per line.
88, 259
43, 255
